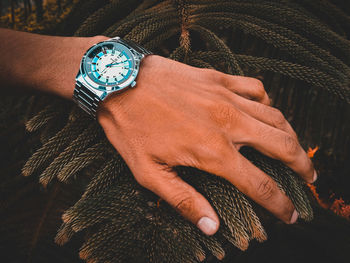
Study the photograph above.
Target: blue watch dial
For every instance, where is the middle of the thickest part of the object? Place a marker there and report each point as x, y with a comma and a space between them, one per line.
108, 64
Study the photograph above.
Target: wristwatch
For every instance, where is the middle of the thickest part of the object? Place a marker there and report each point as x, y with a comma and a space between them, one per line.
107, 67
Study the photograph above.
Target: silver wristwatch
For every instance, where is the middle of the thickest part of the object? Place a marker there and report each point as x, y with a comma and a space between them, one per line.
107, 67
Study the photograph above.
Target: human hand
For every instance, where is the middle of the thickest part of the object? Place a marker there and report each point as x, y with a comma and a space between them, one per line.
176, 115
182, 115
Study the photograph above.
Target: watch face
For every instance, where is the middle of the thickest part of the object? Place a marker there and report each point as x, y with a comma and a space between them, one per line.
108, 64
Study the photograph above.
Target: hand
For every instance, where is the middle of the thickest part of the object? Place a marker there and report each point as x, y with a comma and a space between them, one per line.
176, 115
182, 115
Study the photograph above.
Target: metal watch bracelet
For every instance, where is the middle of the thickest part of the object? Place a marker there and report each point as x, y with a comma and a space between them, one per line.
87, 100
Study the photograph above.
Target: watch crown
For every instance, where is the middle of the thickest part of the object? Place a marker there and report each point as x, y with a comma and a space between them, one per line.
133, 84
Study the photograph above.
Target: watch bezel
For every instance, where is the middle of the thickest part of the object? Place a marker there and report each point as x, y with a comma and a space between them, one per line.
106, 89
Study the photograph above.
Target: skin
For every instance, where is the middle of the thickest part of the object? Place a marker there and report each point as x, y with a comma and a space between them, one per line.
176, 115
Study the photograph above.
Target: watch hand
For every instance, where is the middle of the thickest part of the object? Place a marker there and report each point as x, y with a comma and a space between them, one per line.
104, 69
114, 61
113, 64
118, 66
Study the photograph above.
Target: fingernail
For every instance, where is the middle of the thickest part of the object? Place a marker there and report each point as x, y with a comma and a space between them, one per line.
315, 176
207, 225
294, 217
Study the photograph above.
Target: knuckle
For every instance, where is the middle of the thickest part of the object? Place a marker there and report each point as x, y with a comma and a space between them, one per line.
224, 80
220, 149
266, 189
291, 148
212, 74
208, 71
224, 114
211, 149
221, 143
184, 203
220, 78
259, 90
260, 109
278, 119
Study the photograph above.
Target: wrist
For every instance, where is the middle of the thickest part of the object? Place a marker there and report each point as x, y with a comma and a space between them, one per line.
59, 64
118, 102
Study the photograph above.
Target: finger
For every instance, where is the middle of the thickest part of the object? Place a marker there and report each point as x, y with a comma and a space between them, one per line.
276, 144
263, 113
249, 88
251, 181
181, 196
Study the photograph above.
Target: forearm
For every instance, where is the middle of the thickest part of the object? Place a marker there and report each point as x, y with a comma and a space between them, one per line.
44, 63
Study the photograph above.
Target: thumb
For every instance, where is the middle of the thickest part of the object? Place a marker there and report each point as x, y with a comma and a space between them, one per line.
181, 196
